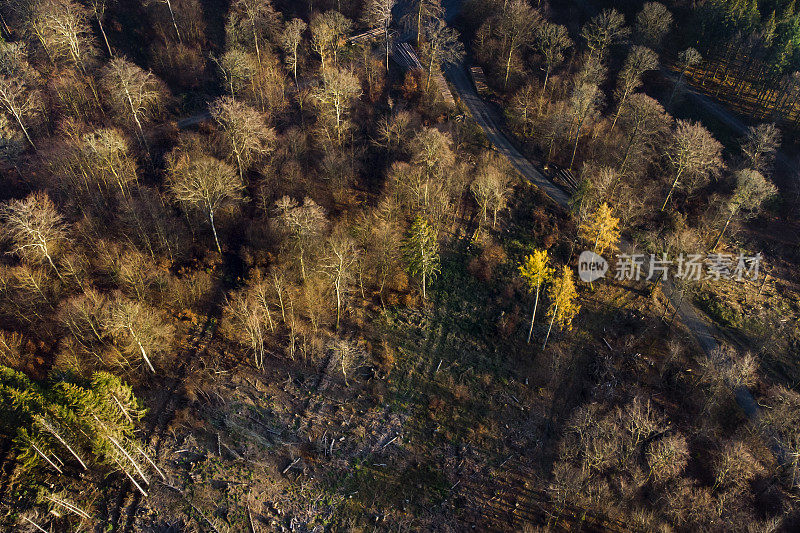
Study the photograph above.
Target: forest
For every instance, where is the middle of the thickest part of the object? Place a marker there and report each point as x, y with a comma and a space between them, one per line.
399, 265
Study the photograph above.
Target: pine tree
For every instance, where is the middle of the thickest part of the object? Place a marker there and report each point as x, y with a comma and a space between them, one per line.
535, 270
421, 250
563, 307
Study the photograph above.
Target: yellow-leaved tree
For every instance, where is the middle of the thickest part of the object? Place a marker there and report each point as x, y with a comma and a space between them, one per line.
563, 307
535, 270
601, 228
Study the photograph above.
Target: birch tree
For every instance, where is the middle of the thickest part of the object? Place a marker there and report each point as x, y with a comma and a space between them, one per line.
752, 190
99, 8
490, 188
518, 22
203, 183
760, 145
62, 28
35, 228
336, 95
694, 155
244, 130
604, 30
250, 24
139, 330
378, 14
562, 295
442, 46
652, 24
134, 93
551, 41
328, 32
421, 250
341, 257
536, 271
19, 101
303, 224
640, 59
291, 39
584, 103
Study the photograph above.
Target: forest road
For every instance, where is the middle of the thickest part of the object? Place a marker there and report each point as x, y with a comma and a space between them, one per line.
490, 121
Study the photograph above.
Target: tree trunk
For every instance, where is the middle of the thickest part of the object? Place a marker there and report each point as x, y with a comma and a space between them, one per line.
533, 316
105, 38
214, 229
728, 221
142, 350
174, 23
555, 312
671, 189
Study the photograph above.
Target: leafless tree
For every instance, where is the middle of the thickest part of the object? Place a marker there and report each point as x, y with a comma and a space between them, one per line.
252, 22
686, 59
99, 9
652, 24
442, 46
752, 190
644, 122
106, 156
340, 259
347, 355
760, 145
303, 223
35, 227
20, 102
378, 14
246, 134
518, 23
139, 330
604, 30
694, 155
327, 35
134, 93
168, 5
551, 42
640, 59
336, 95
62, 28
250, 317
291, 38
584, 104
491, 188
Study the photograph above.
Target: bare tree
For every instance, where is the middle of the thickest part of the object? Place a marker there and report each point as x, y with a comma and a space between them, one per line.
204, 183
251, 22
652, 24
99, 9
336, 94
644, 122
246, 134
133, 92
518, 22
168, 4
640, 59
327, 35
347, 355
249, 316
491, 188
686, 59
551, 42
752, 190
20, 102
603, 30
419, 13
378, 14
442, 46
291, 38
760, 145
106, 157
303, 223
341, 256
62, 28
139, 330
35, 227
694, 155
584, 103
